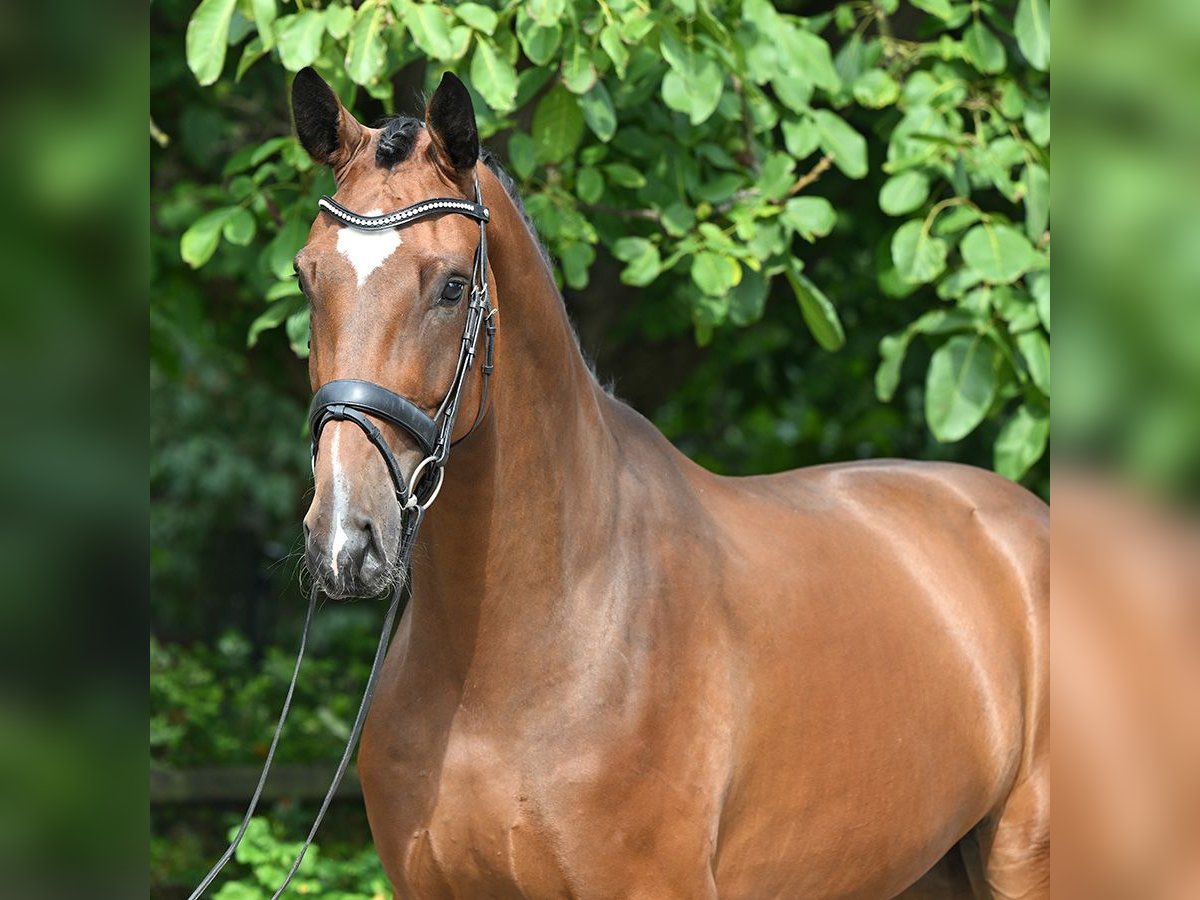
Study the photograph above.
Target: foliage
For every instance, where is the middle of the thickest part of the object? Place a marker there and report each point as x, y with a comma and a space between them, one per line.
220, 705
694, 143
268, 859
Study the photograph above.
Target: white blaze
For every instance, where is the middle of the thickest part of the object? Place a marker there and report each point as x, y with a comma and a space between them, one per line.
340, 502
367, 250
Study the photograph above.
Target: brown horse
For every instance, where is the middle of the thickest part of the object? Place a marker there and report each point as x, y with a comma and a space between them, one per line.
620, 675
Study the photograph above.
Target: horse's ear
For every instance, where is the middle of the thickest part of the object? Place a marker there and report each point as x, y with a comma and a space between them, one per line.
450, 119
325, 128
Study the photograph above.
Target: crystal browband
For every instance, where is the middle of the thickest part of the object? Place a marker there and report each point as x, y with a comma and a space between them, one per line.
401, 216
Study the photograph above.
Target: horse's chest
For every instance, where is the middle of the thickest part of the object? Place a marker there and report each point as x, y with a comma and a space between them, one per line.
463, 822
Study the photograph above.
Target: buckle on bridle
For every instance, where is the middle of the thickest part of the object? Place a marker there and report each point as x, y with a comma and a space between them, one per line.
414, 483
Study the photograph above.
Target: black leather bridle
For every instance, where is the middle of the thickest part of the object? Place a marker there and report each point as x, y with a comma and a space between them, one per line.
351, 400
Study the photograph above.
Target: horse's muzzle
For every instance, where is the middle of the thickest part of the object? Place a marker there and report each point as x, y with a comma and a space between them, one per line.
349, 563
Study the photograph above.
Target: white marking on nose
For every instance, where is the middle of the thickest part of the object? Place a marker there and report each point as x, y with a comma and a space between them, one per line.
367, 250
341, 501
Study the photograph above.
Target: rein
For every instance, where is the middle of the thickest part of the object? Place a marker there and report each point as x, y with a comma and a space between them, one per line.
355, 401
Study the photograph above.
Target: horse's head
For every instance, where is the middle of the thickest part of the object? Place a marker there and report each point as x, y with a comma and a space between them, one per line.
388, 307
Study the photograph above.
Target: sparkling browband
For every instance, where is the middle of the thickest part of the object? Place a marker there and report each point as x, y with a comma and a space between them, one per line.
416, 211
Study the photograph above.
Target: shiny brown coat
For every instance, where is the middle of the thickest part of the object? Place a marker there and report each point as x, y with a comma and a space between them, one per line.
620, 675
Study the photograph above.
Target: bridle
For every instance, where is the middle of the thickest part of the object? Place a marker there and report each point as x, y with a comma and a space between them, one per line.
351, 400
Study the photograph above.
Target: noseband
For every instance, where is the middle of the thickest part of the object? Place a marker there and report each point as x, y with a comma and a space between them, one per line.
351, 400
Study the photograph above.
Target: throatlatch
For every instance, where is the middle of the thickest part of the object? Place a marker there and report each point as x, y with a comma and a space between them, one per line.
357, 401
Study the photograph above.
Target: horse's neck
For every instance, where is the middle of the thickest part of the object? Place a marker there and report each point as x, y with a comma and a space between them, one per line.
524, 492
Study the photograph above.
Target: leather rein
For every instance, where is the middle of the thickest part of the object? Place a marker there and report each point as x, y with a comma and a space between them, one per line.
351, 400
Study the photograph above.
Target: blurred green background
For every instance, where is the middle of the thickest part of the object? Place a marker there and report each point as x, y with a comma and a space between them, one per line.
788, 233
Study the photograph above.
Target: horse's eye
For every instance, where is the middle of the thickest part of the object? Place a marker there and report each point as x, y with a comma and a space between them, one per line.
451, 293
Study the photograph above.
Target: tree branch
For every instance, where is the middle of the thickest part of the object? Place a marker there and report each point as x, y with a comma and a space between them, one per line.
811, 175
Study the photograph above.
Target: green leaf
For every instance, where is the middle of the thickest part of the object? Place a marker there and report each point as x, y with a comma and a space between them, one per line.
940, 8
1037, 121
627, 249
478, 16
983, 49
624, 175
281, 289
843, 143
493, 77
589, 184
598, 112
776, 178
285, 245
810, 56
959, 386
1039, 289
274, 316
999, 253
903, 193
300, 39
557, 126
1012, 101
200, 241
540, 43
919, 257
957, 283
546, 12
956, 219
1032, 28
207, 37
894, 347
576, 257
577, 70
819, 314
610, 41
714, 273
521, 154
800, 137
1036, 350
1037, 200
694, 83
876, 89
1015, 306
530, 81
297, 329
1021, 443
678, 219
811, 217
429, 25
264, 15
748, 298
892, 350
793, 89
366, 51
239, 228
719, 189
642, 258
339, 20
251, 53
